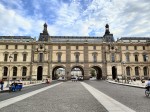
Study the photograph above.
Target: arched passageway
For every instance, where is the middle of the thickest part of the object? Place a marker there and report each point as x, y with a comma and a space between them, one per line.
77, 71
97, 72
39, 73
114, 72
58, 73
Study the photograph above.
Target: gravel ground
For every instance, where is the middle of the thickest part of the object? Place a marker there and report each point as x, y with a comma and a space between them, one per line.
133, 98
67, 97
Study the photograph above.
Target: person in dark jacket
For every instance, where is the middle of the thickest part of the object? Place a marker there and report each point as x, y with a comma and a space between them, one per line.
2, 84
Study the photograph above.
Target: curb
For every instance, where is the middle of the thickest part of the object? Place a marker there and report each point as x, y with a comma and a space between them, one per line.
142, 87
23, 87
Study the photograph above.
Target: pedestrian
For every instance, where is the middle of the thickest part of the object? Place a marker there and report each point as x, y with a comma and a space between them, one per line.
2, 84
148, 85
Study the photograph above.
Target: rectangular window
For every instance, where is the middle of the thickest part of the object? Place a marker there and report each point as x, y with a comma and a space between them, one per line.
113, 58
24, 57
59, 57
94, 47
95, 58
41, 57
5, 57
25, 46
16, 47
135, 47
6, 46
59, 47
145, 57
15, 57
77, 58
136, 58
24, 71
76, 47
143, 47
127, 58
5, 71
126, 47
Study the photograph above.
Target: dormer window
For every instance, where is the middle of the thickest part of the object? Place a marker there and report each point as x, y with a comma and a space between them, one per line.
6, 46
76, 47
16, 46
94, 47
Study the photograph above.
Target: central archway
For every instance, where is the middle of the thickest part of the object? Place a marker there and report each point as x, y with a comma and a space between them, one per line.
77, 71
98, 72
58, 73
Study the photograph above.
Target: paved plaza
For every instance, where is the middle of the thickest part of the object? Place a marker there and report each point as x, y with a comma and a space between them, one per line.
86, 96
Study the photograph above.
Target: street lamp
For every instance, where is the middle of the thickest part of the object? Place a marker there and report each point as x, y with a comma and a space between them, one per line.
10, 58
123, 74
148, 69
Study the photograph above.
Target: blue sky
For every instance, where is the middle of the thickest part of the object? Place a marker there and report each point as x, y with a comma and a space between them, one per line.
75, 17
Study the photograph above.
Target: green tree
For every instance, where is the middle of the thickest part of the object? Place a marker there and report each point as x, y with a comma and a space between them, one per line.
93, 73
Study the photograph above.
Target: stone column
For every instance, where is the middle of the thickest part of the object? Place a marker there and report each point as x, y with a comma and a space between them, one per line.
86, 64
1, 72
68, 55
19, 72
104, 65
50, 61
32, 58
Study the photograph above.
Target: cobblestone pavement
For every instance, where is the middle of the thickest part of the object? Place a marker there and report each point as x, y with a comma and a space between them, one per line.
67, 97
7, 95
133, 98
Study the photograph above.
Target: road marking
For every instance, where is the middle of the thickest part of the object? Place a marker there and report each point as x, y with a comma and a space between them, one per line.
24, 96
109, 103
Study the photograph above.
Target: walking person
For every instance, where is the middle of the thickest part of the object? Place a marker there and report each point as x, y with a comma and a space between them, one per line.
148, 85
2, 84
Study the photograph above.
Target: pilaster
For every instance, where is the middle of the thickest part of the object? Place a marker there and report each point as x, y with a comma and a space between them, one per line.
68, 68
86, 64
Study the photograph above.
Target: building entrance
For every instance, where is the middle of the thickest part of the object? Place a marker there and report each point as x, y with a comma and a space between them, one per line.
39, 73
114, 72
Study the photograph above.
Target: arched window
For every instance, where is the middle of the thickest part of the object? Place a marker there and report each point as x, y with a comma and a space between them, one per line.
5, 71
14, 71
24, 71
128, 71
145, 71
136, 71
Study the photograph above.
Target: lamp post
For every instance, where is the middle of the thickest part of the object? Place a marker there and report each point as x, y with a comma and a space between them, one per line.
123, 74
10, 58
67, 75
148, 67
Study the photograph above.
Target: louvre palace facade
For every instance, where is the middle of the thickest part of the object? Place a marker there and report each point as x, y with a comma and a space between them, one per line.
23, 57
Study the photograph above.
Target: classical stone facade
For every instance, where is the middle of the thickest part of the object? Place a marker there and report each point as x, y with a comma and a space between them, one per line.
25, 58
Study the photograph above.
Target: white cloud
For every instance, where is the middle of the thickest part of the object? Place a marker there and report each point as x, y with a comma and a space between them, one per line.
125, 17
14, 24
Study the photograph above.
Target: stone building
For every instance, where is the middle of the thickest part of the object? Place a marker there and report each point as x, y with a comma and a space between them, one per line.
25, 58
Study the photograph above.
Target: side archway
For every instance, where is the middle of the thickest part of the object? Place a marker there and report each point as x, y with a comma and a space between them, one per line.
58, 72
98, 72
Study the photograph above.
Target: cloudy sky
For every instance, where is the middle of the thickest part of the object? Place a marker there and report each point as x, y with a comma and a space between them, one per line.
75, 17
